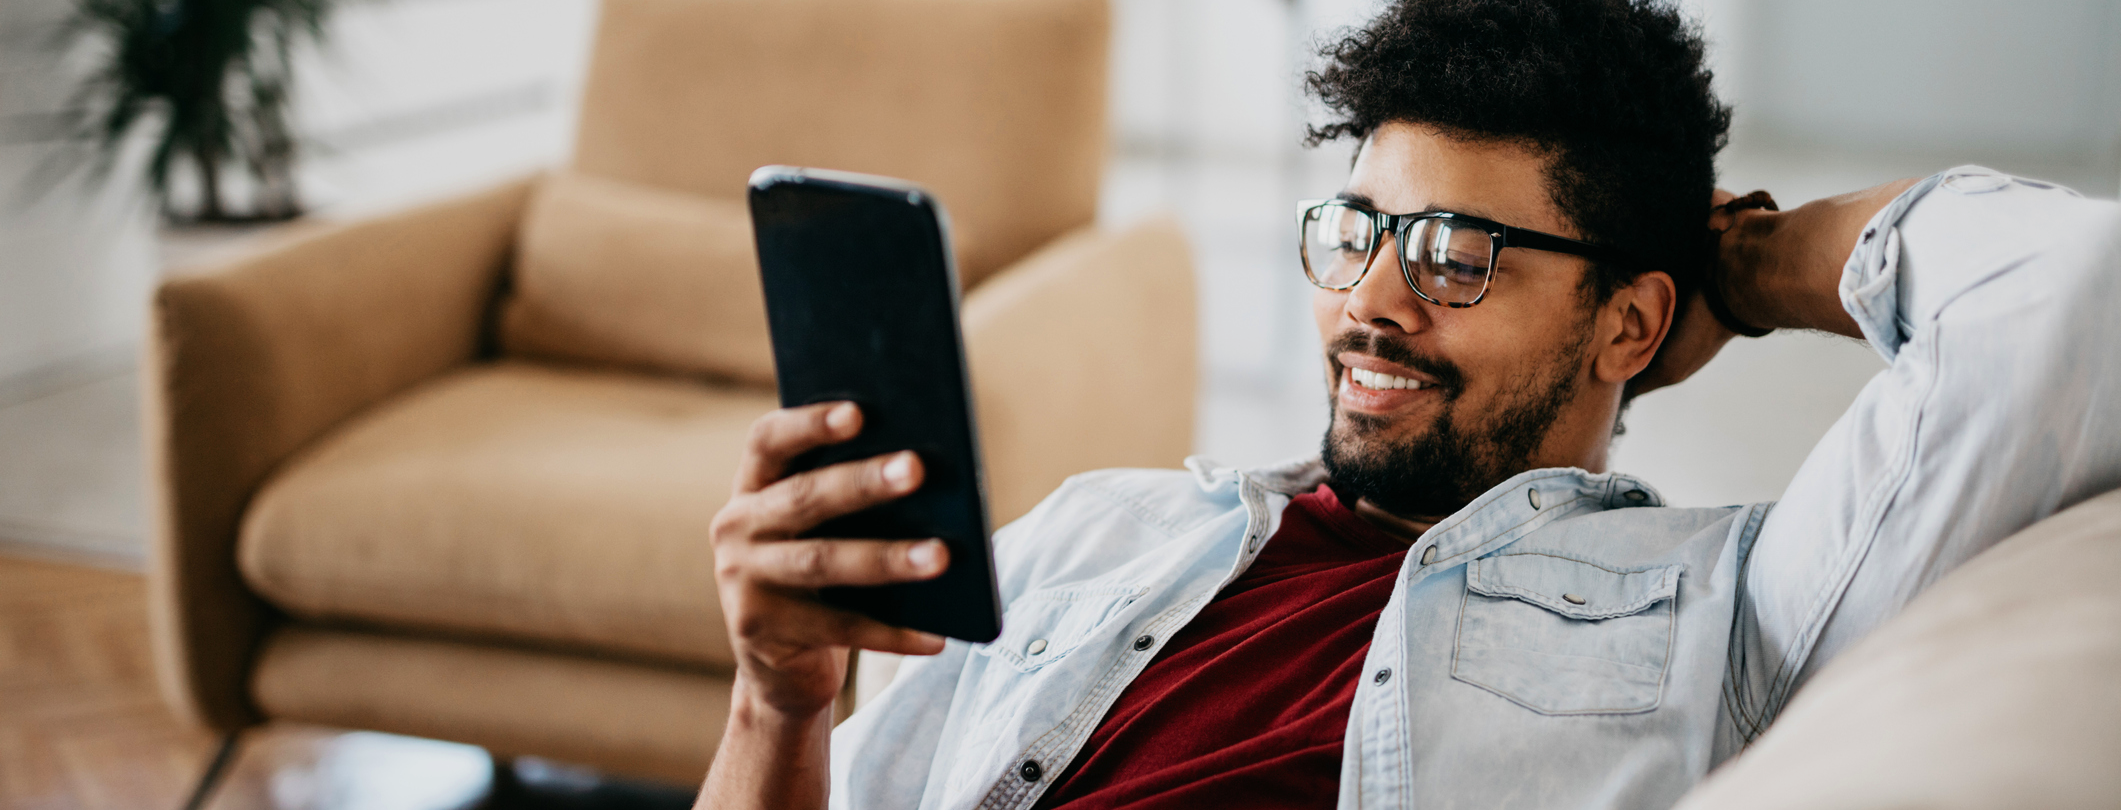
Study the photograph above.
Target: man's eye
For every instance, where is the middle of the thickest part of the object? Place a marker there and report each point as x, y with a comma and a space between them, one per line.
1465, 272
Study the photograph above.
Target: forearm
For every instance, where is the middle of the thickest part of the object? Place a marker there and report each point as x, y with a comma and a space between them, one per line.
768, 759
1782, 270
1991, 301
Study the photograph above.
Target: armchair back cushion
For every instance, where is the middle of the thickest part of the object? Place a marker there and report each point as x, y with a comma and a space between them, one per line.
621, 274
997, 106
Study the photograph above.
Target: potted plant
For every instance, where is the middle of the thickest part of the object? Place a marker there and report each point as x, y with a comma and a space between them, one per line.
212, 78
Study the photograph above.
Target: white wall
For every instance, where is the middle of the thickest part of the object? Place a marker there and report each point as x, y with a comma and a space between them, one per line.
407, 99
410, 99
75, 256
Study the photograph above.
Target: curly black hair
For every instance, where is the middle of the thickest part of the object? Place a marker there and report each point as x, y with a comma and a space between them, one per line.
1614, 91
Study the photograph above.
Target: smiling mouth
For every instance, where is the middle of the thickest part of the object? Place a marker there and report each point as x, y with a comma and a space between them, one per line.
1379, 381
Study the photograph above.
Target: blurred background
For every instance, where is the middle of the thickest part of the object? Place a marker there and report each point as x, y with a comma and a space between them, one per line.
408, 100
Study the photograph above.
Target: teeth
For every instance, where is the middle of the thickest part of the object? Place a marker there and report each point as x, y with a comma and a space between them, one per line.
1381, 382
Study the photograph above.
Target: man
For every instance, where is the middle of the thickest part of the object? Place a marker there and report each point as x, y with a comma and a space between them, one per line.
1456, 605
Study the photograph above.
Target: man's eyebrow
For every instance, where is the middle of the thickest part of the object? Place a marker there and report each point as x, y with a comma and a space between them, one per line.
1364, 200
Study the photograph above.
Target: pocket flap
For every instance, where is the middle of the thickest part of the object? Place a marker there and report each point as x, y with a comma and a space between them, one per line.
1578, 590
1043, 626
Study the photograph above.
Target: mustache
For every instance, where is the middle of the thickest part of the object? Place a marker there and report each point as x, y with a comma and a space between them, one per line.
1447, 374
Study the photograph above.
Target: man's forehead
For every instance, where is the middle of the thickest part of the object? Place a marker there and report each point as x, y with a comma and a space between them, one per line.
1407, 168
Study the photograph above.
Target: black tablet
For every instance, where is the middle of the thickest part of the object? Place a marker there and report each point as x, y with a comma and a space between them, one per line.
862, 298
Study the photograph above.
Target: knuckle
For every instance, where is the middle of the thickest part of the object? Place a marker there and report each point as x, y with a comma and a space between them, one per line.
800, 492
762, 429
727, 525
749, 619
812, 561
888, 557
848, 625
727, 568
749, 625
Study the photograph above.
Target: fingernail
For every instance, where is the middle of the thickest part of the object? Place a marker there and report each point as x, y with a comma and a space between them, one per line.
931, 638
923, 557
898, 472
840, 418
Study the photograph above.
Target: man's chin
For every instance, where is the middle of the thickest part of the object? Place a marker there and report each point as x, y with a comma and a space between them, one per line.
1397, 467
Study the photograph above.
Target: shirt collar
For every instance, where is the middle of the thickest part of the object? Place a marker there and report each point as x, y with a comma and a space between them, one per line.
1506, 512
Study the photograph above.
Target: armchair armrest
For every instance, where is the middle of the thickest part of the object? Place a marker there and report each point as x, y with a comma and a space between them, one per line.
249, 362
1082, 357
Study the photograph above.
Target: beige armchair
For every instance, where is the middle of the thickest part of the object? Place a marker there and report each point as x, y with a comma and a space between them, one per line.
449, 472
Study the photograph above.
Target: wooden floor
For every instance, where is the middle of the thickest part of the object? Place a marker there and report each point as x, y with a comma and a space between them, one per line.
82, 727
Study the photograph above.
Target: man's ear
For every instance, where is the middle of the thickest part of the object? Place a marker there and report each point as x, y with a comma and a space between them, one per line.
1634, 324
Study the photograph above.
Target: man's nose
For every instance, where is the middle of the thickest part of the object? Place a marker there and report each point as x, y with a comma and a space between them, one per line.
1383, 299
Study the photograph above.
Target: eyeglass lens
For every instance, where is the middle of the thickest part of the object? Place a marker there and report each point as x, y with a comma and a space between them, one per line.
1447, 262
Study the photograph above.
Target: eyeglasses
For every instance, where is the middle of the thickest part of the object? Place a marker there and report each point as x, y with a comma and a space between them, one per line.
1449, 259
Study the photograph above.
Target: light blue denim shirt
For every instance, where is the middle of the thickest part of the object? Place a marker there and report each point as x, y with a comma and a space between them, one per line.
1567, 640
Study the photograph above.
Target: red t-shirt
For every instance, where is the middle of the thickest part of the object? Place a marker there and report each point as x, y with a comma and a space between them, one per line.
1248, 704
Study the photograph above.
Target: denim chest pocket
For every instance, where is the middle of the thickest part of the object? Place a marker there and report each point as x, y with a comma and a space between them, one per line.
1043, 626
1561, 636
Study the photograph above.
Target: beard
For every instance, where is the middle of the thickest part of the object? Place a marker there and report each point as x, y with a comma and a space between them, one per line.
1461, 455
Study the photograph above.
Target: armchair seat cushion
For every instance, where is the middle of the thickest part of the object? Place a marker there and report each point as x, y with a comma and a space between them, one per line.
508, 501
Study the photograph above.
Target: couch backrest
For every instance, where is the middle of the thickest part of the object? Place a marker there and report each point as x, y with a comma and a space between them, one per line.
997, 106
1997, 688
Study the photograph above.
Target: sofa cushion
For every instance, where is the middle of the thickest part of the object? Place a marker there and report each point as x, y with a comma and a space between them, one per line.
617, 274
509, 501
1995, 689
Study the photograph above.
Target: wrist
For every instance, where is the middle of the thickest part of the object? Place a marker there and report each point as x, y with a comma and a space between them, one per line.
756, 705
1747, 269
1780, 271
769, 757
1783, 269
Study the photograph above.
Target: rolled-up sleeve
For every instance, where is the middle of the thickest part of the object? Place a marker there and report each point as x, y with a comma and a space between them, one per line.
1994, 300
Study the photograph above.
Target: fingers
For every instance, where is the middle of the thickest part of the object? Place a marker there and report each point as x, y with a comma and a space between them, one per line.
808, 564
784, 434
789, 622
1727, 209
795, 504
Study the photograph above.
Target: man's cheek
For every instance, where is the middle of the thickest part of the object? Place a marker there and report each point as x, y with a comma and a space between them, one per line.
1326, 308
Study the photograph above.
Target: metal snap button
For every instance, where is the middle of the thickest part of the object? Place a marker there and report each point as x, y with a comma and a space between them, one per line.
1038, 645
1533, 496
1143, 642
1636, 495
1383, 675
1030, 771
1428, 555
1574, 599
